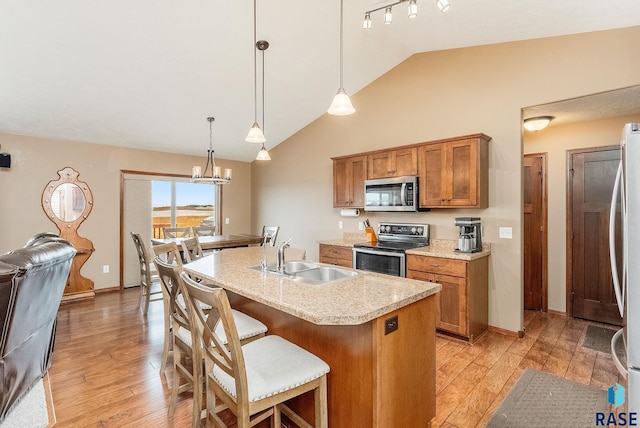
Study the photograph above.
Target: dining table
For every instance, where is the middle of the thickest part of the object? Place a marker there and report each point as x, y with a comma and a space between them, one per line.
217, 242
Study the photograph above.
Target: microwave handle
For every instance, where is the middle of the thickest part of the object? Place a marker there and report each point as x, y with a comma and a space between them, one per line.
403, 194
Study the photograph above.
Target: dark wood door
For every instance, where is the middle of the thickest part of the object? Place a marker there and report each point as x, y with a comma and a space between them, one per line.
591, 178
535, 286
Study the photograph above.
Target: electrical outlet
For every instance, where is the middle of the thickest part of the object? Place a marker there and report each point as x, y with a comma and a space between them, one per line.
105, 269
340, 224
506, 232
361, 225
226, 220
390, 324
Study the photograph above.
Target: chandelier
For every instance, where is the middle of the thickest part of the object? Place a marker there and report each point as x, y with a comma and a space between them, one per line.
215, 176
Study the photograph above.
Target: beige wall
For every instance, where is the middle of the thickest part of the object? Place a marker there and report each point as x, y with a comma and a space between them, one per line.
36, 161
555, 141
438, 95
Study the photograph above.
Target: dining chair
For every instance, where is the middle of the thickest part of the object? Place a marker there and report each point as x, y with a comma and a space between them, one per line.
252, 380
187, 359
270, 233
176, 232
170, 254
148, 278
203, 230
191, 249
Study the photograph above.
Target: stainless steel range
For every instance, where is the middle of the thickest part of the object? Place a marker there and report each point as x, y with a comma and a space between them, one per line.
388, 254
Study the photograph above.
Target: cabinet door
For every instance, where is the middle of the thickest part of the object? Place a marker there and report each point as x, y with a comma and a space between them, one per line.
348, 182
393, 163
451, 307
432, 174
462, 165
358, 175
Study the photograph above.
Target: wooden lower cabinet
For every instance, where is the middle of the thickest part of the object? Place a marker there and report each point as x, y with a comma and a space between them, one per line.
462, 307
336, 255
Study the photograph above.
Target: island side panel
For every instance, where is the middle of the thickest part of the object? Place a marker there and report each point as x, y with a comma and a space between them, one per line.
406, 367
348, 350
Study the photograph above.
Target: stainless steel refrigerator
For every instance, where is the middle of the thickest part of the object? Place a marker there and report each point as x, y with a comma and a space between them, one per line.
627, 282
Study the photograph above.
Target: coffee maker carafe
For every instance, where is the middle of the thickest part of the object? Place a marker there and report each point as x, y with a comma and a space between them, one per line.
470, 239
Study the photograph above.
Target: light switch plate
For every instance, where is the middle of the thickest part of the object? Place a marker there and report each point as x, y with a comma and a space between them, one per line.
105, 269
506, 232
340, 224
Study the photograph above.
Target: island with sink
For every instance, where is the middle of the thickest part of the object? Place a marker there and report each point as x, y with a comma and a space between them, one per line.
376, 332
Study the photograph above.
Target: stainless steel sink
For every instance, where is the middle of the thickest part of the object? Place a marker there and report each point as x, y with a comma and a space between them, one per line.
326, 274
310, 272
297, 266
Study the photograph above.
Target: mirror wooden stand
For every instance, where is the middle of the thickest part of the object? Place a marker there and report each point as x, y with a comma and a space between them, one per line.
67, 202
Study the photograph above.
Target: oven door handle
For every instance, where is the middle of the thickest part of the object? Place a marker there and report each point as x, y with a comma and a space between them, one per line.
378, 252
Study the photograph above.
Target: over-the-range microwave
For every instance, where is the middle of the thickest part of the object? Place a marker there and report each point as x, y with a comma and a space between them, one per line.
391, 194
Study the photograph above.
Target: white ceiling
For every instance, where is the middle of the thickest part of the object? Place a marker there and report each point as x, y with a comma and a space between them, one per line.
147, 73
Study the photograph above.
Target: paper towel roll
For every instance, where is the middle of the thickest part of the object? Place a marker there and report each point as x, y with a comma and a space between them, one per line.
349, 212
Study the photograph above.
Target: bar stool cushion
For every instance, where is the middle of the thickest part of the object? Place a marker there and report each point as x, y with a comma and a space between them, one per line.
273, 365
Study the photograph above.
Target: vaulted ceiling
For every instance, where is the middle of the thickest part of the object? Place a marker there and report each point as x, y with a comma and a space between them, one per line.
147, 73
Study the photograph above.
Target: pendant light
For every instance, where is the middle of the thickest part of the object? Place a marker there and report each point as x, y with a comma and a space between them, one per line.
341, 105
255, 134
262, 46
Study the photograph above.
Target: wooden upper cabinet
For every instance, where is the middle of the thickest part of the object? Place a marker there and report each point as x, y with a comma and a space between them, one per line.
348, 181
454, 174
393, 163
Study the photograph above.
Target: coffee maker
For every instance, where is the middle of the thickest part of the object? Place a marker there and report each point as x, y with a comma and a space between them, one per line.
470, 239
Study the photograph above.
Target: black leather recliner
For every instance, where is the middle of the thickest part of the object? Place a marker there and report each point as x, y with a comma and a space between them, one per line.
32, 281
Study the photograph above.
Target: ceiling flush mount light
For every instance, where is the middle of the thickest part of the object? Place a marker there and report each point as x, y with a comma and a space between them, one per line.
341, 105
412, 11
255, 134
215, 176
537, 123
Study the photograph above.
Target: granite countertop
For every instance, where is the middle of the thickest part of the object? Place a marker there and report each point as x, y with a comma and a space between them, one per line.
349, 301
443, 248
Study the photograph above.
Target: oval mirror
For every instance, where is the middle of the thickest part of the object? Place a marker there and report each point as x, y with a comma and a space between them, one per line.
68, 202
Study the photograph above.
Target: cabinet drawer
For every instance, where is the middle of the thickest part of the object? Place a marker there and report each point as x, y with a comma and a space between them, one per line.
336, 252
437, 265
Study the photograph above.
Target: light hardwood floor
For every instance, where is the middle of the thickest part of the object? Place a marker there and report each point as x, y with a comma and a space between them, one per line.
105, 370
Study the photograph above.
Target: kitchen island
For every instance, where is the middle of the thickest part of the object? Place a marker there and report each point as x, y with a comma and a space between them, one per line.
376, 379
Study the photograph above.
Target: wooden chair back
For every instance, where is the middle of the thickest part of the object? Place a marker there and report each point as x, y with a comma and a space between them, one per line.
225, 354
168, 253
270, 233
188, 369
203, 230
176, 232
191, 249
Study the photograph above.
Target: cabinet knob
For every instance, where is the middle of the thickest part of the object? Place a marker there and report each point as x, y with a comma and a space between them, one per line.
449, 200
443, 199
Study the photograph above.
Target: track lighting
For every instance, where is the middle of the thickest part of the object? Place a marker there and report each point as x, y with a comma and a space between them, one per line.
367, 21
388, 16
412, 11
443, 5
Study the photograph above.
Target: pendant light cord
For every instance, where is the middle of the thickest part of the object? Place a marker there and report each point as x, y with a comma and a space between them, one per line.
341, 41
263, 92
255, 67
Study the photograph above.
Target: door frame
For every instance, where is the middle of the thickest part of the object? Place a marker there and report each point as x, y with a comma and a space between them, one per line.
545, 232
569, 217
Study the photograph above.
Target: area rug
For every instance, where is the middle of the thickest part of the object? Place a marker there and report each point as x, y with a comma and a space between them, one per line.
31, 410
542, 400
599, 339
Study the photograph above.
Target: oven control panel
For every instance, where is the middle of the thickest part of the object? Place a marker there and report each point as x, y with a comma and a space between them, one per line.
413, 230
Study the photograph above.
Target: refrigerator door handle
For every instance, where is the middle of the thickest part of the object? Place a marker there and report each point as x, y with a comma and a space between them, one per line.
612, 243
614, 340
